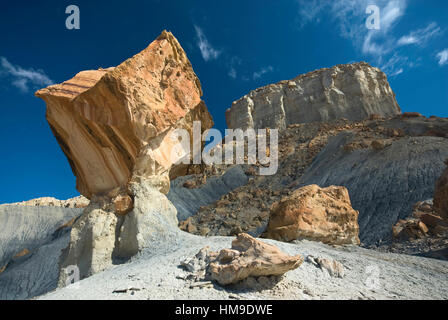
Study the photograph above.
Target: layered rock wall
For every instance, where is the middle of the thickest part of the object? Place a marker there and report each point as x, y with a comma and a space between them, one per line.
352, 91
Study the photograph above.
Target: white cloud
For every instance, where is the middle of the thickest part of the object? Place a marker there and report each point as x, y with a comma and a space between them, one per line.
443, 57
232, 73
395, 65
23, 78
233, 64
207, 51
350, 18
257, 75
420, 36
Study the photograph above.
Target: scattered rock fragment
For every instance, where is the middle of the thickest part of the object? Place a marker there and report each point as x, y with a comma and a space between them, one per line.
248, 258
410, 229
333, 267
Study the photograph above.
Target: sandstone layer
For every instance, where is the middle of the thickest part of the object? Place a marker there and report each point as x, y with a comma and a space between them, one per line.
352, 91
114, 125
311, 212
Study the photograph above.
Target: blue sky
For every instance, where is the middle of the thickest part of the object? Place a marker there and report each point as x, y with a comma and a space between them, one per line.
234, 46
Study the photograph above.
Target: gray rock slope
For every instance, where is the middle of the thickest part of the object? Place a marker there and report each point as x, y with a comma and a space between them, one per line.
383, 184
368, 275
34, 275
31, 228
188, 201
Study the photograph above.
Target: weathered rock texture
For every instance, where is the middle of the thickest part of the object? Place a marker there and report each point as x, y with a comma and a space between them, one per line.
248, 257
115, 125
251, 257
353, 91
116, 128
441, 195
314, 213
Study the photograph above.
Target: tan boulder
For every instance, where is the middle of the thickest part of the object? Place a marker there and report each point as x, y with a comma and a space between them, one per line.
314, 213
114, 125
441, 195
250, 257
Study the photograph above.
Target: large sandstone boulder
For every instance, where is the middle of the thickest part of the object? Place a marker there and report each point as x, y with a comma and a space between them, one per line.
314, 213
115, 127
353, 91
441, 195
114, 124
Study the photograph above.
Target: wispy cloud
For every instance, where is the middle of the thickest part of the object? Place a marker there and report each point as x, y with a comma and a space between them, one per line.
349, 18
23, 78
207, 51
233, 64
420, 36
395, 65
442, 56
258, 74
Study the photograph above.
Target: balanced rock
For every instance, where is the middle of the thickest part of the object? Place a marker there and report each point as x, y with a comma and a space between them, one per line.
353, 91
314, 213
250, 257
441, 195
114, 125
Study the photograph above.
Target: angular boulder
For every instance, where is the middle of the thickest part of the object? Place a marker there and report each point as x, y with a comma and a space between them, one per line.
314, 213
114, 124
116, 128
353, 91
250, 257
441, 195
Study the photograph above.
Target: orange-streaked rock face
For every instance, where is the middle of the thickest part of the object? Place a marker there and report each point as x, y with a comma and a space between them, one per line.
113, 123
314, 213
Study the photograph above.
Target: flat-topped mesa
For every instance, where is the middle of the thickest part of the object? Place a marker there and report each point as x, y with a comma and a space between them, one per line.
114, 124
352, 91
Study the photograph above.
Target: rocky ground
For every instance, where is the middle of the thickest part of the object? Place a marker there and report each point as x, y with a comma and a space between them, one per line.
351, 167
368, 275
363, 156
